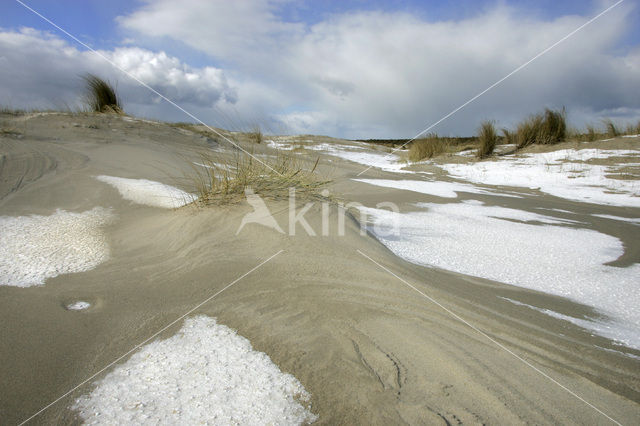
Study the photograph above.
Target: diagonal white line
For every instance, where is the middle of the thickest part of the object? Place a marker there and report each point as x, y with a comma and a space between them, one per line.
500, 345
146, 340
500, 81
146, 85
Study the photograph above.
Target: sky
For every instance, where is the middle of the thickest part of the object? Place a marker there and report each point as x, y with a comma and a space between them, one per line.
344, 68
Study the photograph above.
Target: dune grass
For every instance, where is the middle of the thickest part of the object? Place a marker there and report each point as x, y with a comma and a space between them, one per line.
255, 135
508, 137
427, 147
12, 111
9, 131
221, 181
591, 134
101, 96
549, 127
612, 128
488, 138
632, 129
433, 145
554, 127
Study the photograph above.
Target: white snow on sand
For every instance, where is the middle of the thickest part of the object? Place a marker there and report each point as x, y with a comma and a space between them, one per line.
358, 154
78, 306
437, 187
498, 244
205, 374
284, 146
560, 173
34, 248
148, 192
380, 160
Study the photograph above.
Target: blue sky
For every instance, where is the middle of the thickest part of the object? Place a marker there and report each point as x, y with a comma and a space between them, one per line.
93, 21
345, 68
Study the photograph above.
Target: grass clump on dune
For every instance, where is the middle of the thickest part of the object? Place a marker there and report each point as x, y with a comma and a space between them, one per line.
527, 131
632, 129
9, 131
547, 128
427, 147
101, 96
255, 135
508, 137
488, 138
612, 129
12, 111
219, 181
592, 134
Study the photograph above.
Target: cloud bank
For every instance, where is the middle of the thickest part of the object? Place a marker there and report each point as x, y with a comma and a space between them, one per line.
363, 73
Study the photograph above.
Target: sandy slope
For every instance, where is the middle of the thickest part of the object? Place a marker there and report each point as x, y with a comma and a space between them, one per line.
369, 349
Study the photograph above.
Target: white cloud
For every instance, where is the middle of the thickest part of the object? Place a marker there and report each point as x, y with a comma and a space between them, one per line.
390, 74
360, 74
44, 71
173, 79
247, 31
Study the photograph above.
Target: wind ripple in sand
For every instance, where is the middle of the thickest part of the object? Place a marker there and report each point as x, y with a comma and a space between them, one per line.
205, 374
34, 248
149, 192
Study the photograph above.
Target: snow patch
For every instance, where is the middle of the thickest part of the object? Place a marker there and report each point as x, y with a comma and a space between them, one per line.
34, 248
78, 306
386, 162
562, 173
437, 188
148, 192
362, 154
205, 374
511, 246
279, 145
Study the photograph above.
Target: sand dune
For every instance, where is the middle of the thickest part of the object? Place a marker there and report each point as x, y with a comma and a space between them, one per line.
366, 347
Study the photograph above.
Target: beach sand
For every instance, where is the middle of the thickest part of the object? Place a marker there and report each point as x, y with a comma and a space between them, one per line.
367, 347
